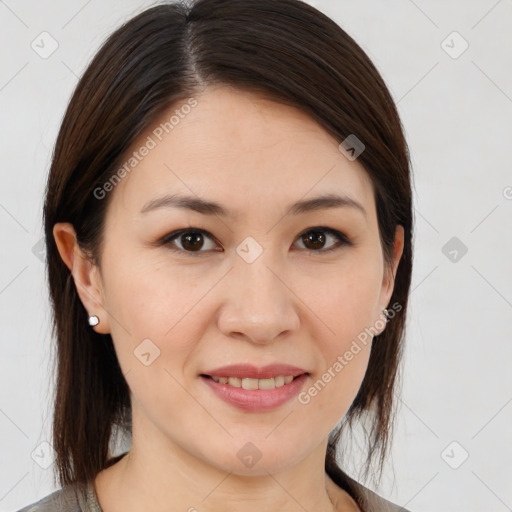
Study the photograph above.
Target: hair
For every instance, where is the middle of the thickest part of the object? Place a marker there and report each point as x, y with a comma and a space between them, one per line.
284, 50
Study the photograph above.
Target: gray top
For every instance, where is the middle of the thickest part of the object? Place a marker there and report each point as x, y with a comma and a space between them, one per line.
82, 498
71, 498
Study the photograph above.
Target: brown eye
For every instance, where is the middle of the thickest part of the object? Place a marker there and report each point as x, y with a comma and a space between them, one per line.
190, 240
314, 239
194, 241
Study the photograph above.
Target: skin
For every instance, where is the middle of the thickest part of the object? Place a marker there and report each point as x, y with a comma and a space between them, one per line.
291, 305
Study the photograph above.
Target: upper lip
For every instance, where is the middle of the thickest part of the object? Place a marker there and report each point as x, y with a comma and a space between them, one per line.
253, 372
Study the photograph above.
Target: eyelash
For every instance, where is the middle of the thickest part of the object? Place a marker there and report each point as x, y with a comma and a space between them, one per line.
169, 239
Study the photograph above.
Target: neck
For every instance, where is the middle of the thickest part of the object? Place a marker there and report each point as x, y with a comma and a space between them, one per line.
157, 473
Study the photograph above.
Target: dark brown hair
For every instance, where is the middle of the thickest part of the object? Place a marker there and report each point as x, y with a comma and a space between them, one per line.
282, 49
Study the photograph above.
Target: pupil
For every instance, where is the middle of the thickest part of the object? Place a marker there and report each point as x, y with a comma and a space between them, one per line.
317, 238
192, 240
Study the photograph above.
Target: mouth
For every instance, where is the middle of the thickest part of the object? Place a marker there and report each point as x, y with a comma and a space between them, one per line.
251, 394
253, 383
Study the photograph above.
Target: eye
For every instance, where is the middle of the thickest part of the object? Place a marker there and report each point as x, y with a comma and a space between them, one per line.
192, 240
315, 238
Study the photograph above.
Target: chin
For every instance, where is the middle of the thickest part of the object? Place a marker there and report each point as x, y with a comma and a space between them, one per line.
255, 458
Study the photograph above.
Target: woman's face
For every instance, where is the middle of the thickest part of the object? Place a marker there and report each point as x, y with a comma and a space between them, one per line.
258, 285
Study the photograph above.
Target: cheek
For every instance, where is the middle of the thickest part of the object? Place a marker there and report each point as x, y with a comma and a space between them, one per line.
333, 388
149, 295
148, 301
344, 299
155, 324
344, 307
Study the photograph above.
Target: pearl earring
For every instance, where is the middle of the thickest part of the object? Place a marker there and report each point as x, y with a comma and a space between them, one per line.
94, 320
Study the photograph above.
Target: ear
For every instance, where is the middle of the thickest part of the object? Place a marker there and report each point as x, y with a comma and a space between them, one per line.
388, 282
85, 274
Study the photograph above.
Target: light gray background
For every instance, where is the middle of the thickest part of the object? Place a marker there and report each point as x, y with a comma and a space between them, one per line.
457, 115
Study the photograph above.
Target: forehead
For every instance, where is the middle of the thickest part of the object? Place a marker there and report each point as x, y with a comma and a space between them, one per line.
240, 149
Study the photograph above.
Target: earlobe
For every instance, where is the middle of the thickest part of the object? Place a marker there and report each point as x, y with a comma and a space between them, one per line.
85, 273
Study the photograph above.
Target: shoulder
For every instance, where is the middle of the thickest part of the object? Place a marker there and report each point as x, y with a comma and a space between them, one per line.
375, 503
63, 500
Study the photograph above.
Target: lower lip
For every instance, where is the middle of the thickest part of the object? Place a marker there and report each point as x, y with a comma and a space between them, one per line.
256, 399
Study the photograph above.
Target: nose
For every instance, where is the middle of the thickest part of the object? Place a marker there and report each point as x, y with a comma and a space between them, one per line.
258, 303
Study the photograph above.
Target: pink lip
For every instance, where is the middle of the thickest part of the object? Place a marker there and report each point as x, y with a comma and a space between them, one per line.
256, 399
252, 372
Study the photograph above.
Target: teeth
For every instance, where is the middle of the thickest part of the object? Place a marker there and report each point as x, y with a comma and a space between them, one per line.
279, 381
248, 383
265, 383
235, 382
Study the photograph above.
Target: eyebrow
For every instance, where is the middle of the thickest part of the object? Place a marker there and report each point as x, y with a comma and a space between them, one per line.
205, 207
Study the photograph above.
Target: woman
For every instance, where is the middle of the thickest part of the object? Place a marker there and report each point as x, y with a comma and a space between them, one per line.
228, 223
